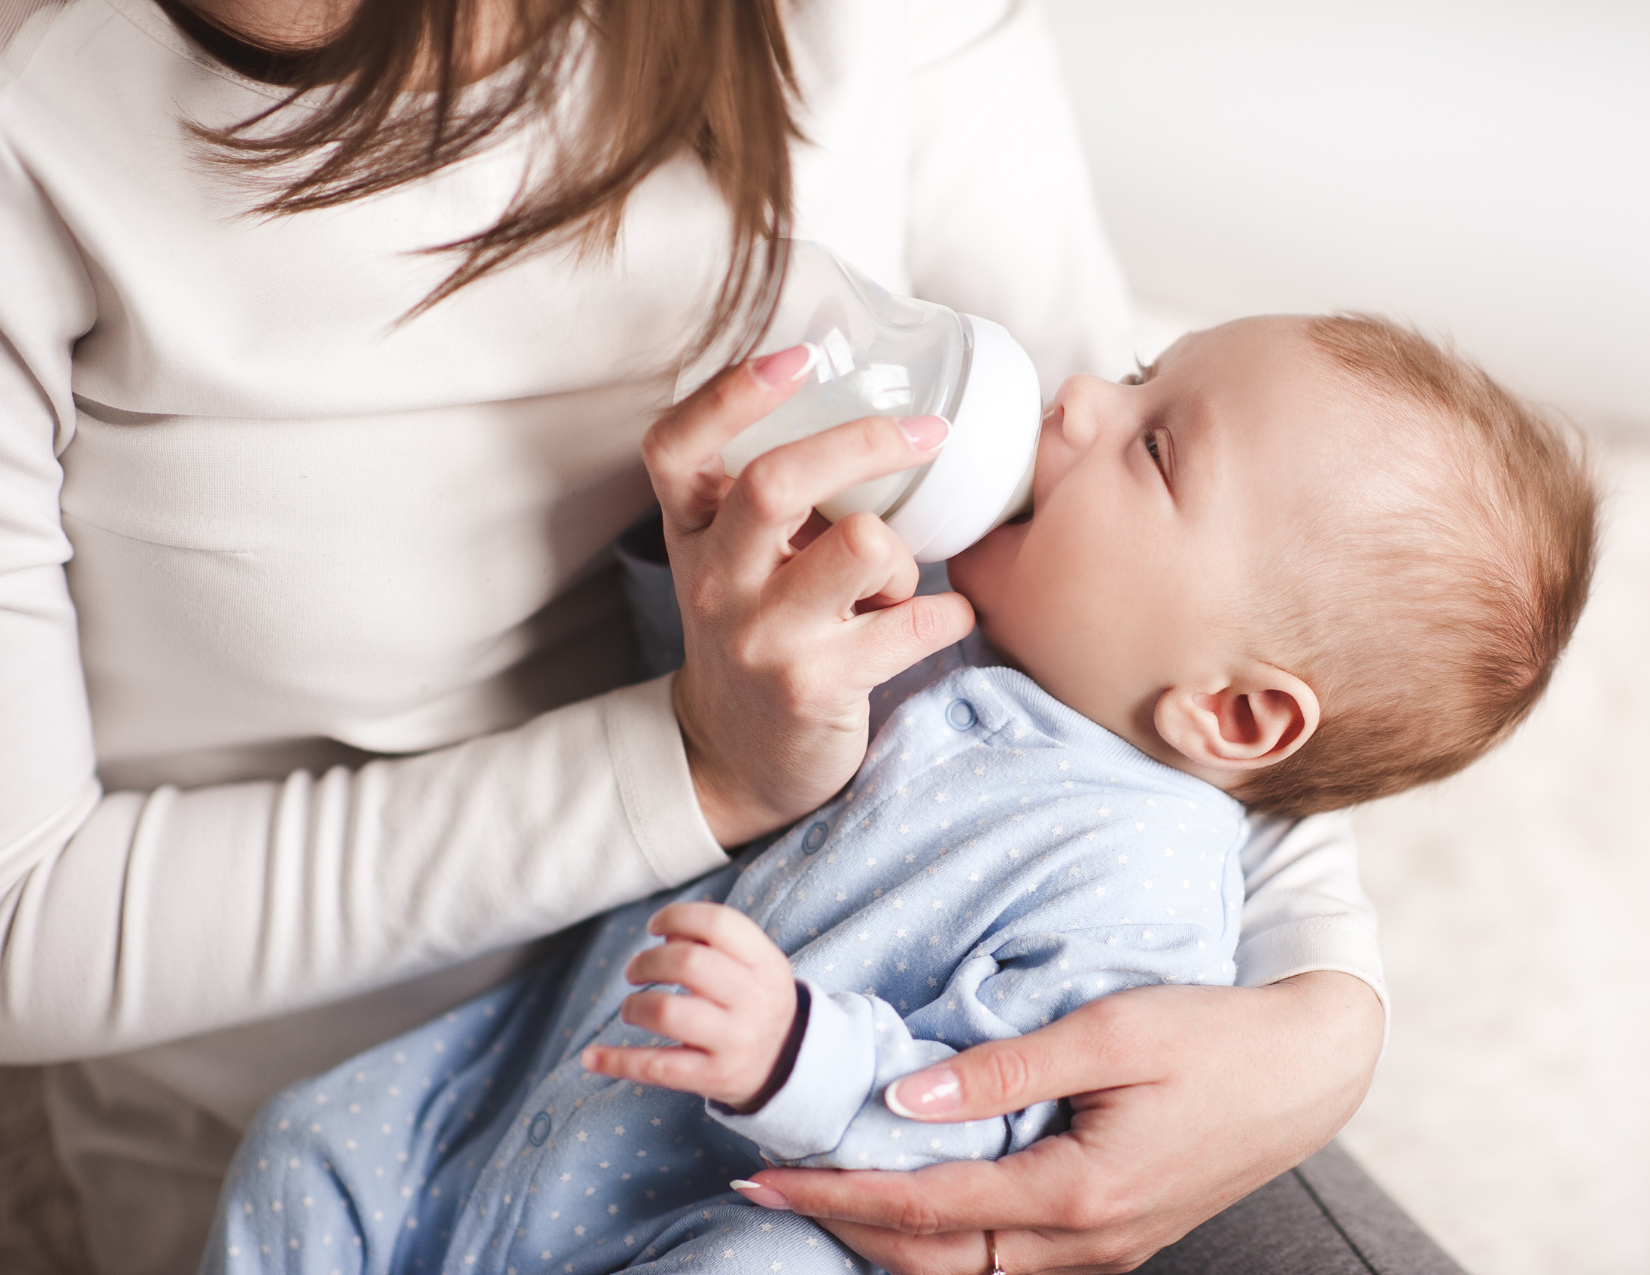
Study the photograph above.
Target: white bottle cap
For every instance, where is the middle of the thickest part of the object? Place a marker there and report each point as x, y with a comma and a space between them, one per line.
993, 443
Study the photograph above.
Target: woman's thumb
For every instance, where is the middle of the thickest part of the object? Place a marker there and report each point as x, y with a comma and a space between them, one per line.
1000, 1076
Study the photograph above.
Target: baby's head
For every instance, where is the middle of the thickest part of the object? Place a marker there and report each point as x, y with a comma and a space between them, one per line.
1312, 560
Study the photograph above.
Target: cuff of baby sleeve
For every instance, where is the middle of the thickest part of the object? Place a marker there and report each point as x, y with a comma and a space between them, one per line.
655, 785
1316, 943
832, 1079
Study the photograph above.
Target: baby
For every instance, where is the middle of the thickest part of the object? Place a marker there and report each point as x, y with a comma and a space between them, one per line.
1295, 564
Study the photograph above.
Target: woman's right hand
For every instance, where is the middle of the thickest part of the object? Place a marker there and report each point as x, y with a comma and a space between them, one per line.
784, 640
1183, 1099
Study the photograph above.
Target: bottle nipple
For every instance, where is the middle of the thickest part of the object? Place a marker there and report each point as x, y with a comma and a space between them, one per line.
1020, 501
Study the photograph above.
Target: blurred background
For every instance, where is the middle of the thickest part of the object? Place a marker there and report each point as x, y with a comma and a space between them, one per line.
1482, 170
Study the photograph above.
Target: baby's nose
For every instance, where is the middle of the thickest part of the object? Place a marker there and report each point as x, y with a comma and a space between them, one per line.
1085, 407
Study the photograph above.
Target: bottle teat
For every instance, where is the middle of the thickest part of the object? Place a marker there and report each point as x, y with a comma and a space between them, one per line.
982, 476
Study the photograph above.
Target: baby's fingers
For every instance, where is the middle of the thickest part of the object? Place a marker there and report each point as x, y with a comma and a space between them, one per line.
690, 1019
720, 927
683, 1069
704, 971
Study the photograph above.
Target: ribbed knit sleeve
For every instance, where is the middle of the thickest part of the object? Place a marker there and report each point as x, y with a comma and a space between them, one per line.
131, 917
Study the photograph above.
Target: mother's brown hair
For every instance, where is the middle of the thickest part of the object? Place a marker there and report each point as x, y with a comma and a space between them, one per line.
399, 101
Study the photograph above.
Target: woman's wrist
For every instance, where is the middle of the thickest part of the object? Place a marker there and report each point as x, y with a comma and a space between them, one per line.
731, 814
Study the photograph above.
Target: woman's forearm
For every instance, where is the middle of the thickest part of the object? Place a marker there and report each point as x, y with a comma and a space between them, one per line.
141, 917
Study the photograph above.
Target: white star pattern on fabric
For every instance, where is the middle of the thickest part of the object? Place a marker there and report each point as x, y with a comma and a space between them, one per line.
519, 1152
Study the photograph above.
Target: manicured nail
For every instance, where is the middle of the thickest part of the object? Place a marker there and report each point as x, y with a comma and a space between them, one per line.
756, 1193
928, 1094
774, 370
925, 432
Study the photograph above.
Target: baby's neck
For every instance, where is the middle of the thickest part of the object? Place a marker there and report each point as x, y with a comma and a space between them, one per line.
1138, 728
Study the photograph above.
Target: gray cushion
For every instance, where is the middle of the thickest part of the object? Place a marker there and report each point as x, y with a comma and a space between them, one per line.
1326, 1217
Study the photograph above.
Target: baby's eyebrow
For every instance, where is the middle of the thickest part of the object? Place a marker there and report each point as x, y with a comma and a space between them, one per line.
1143, 372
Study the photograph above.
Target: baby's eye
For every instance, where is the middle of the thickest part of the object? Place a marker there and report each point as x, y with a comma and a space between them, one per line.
1152, 449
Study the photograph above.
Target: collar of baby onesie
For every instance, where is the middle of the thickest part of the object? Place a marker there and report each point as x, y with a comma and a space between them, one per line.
999, 694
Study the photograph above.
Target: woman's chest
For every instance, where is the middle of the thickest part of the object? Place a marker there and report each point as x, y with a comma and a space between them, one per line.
205, 306
382, 580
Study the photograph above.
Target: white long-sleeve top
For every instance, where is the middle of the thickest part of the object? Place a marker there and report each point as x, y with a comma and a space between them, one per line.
307, 644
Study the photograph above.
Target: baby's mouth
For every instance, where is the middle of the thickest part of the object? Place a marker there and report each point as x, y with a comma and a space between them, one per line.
1055, 413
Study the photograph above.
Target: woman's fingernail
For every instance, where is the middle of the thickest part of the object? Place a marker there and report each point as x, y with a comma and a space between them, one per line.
756, 1193
926, 1094
774, 370
925, 433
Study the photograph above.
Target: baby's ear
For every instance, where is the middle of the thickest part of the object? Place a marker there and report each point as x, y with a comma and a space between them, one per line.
1258, 718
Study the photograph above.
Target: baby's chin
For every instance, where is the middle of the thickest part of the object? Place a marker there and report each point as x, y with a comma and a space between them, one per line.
981, 571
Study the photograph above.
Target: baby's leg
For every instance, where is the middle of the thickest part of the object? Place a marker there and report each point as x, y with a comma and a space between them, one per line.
728, 1235
282, 1211
293, 1201
332, 1176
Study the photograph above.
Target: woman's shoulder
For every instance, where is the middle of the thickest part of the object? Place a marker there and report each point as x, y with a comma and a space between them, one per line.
941, 29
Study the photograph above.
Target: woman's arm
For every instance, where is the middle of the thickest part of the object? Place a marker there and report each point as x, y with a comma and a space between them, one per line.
1304, 908
134, 917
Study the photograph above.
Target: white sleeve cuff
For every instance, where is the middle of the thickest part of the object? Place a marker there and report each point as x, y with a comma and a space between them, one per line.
832, 1079
1305, 909
1311, 943
651, 769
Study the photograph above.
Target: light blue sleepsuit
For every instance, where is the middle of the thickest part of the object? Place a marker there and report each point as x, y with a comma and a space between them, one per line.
998, 860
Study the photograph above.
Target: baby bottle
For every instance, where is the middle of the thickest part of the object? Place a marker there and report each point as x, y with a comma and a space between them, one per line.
875, 354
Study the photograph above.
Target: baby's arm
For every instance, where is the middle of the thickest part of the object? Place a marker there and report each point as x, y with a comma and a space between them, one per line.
734, 1025
831, 1112
815, 1097
734, 1022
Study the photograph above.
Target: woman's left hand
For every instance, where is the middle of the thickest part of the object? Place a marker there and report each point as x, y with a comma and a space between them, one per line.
1187, 1099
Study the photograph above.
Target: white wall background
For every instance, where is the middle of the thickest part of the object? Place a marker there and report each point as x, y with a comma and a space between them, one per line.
1482, 169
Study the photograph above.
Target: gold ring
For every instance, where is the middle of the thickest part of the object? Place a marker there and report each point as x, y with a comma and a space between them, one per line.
991, 1250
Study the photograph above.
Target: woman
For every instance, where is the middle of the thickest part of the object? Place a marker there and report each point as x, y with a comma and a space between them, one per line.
310, 638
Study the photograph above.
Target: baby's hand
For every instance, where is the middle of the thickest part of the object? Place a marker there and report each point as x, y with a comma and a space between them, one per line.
732, 1024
